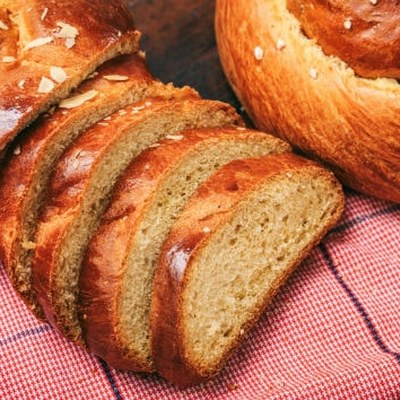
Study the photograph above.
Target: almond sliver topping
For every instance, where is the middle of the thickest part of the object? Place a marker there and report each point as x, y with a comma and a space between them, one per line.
119, 78
3, 26
69, 43
174, 137
78, 100
46, 85
58, 74
38, 42
44, 14
66, 31
9, 59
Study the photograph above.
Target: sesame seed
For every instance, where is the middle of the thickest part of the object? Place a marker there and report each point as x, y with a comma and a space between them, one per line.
313, 73
280, 44
347, 24
155, 145
107, 118
147, 167
21, 84
258, 53
240, 128
148, 103
17, 151
206, 229
102, 124
373, 2
119, 33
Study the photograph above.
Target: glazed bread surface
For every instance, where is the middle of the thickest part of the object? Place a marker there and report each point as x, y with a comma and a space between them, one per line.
117, 276
293, 89
48, 47
235, 243
364, 34
83, 182
25, 178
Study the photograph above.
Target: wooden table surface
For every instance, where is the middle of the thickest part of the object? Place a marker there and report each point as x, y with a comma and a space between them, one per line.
179, 40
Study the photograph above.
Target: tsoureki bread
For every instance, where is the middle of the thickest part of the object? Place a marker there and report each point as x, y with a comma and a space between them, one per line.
25, 178
128, 178
320, 75
48, 47
117, 276
82, 184
235, 243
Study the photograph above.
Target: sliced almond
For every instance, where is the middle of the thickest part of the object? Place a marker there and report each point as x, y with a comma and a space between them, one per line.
9, 59
46, 85
58, 74
66, 31
38, 42
69, 43
78, 100
92, 75
174, 137
44, 13
3, 26
118, 78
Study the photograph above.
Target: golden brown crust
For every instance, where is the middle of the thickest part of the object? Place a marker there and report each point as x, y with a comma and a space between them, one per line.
95, 31
72, 179
105, 266
364, 34
314, 101
25, 167
211, 207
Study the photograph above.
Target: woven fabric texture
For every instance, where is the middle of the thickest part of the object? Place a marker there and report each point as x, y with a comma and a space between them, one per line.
333, 332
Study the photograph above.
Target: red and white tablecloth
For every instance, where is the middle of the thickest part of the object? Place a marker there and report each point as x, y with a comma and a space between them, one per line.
333, 332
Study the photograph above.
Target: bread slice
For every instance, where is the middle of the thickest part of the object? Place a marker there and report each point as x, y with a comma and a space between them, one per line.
234, 245
82, 185
117, 276
48, 48
26, 176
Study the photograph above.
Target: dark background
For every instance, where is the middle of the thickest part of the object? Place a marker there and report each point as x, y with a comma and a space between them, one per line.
178, 38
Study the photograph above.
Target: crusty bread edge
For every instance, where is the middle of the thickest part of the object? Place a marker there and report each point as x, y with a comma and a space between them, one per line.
179, 253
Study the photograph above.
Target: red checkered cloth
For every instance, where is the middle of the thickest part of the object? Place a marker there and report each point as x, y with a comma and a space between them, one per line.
333, 332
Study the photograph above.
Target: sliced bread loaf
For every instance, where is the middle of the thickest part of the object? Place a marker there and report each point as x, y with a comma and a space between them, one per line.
25, 178
117, 276
48, 48
236, 242
82, 184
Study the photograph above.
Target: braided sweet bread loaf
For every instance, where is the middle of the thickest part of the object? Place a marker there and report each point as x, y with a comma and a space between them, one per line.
48, 47
320, 74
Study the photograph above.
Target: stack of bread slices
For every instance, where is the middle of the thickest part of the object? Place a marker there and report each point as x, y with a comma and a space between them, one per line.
142, 221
